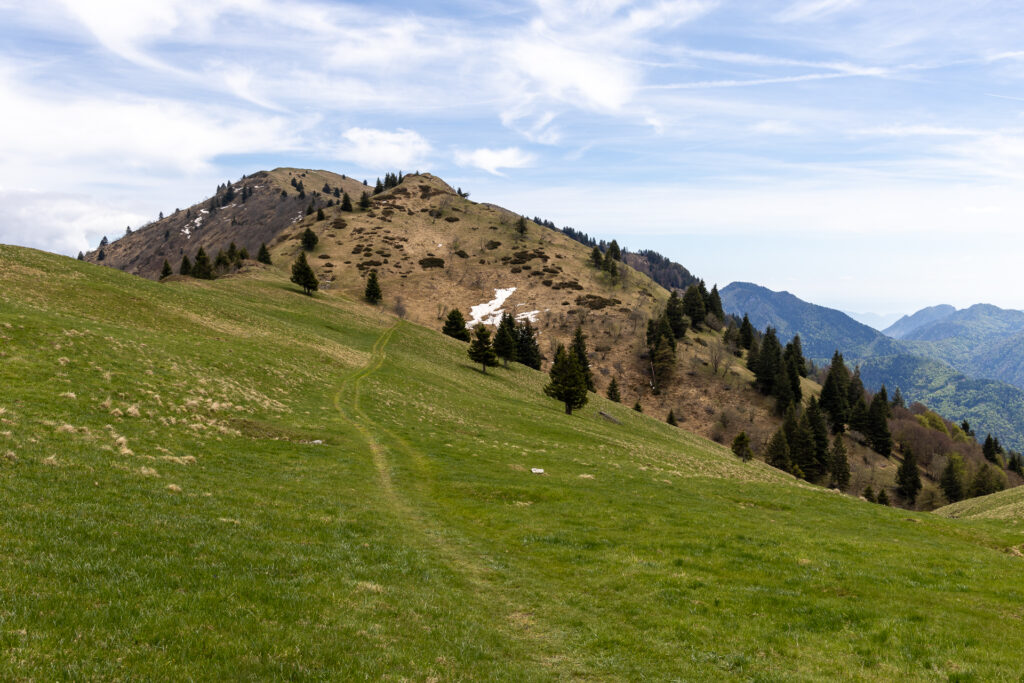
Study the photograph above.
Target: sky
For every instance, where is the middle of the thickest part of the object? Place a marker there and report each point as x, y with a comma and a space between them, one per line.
865, 155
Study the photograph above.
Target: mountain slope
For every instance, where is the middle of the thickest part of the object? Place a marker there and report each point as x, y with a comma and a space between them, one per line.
926, 316
989, 405
229, 479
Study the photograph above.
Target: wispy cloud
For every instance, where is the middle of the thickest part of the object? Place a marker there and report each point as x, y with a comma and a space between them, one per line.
380, 149
492, 160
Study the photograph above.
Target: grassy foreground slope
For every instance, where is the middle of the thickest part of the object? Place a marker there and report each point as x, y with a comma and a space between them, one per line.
1005, 505
167, 512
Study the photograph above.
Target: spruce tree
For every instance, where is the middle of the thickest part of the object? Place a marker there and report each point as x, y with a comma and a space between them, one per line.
954, 479
897, 399
101, 255
455, 325
878, 425
320, 214
201, 268
839, 465
81, 256
819, 431
637, 407
769, 363
166, 270
869, 495
186, 266
303, 275
715, 303
794, 353
568, 381
663, 361
504, 339
671, 419
754, 356
746, 333
379, 187
521, 226
346, 202
232, 253
693, 306
527, 349
614, 252
364, 200
883, 497
777, 452
597, 258
263, 256
579, 350
741, 447
372, 292
675, 315
221, 262
480, 349
834, 394
309, 240
613, 391
908, 479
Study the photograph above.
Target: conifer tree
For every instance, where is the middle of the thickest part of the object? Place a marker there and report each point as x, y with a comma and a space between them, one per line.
769, 363
754, 356
839, 465
741, 447
869, 495
263, 256
455, 325
663, 361
364, 200
883, 497
715, 303
504, 339
908, 479
568, 381
614, 253
988, 449
232, 253
579, 350
794, 353
637, 407
834, 394
609, 266
693, 305
346, 202
480, 349
596, 257
309, 240
671, 419
186, 266
104, 242
675, 315
166, 270
613, 391
379, 187
777, 452
221, 262
746, 333
372, 292
897, 399
243, 254
201, 268
527, 349
320, 214
954, 479
521, 226
819, 431
81, 256
303, 275
878, 425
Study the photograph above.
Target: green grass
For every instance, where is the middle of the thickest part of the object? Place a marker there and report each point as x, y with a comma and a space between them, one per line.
209, 538
1005, 505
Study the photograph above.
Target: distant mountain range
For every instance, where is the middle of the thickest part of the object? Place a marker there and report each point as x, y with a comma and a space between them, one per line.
965, 364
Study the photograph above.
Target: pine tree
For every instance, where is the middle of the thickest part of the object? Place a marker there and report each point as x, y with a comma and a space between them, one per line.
878, 425
908, 479
988, 479
777, 452
834, 394
232, 253
671, 419
579, 350
988, 449
715, 303
81, 256
201, 268
243, 254
480, 349
372, 292
663, 361
954, 479
897, 399
166, 270
839, 465
455, 325
527, 349
754, 356
303, 275
104, 242
309, 240
521, 226
186, 266
741, 447
614, 252
613, 391
504, 339
263, 256
869, 495
221, 262
596, 257
568, 381
769, 363
320, 214
637, 407
364, 201
675, 315
746, 333
794, 353
883, 497
693, 305
819, 431
346, 202
379, 187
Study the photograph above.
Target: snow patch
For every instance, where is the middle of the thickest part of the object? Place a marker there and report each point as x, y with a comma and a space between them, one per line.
528, 315
203, 211
490, 312
187, 233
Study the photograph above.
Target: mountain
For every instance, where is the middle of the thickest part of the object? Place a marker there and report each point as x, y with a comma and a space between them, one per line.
229, 479
908, 323
878, 321
917, 368
822, 330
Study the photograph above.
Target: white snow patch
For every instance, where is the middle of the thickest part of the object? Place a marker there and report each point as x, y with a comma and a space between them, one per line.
528, 315
490, 312
439, 245
187, 233
203, 211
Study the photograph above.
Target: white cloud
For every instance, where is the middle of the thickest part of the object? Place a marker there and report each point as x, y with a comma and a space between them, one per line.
380, 149
809, 10
61, 223
491, 160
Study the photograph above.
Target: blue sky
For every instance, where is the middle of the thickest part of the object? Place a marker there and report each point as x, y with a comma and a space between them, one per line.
864, 155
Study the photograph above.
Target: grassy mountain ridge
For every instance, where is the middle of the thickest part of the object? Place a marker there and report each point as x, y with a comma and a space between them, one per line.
160, 441
908, 323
